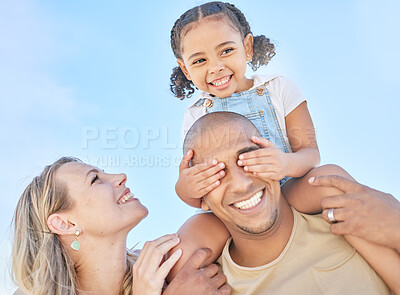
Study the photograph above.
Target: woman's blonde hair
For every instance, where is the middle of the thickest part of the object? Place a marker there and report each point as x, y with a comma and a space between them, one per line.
40, 264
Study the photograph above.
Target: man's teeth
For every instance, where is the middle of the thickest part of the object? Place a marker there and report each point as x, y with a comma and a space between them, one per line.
221, 81
125, 198
249, 203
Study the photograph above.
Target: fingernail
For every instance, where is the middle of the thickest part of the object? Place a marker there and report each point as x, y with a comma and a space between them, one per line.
214, 162
176, 239
241, 157
217, 182
221, 165
178, 252
240, 163
246, 168
311, 180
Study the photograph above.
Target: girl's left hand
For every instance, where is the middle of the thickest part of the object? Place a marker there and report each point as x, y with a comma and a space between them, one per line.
268, 162
149, 270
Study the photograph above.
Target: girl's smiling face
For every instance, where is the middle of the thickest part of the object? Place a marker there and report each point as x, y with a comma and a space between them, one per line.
214, 57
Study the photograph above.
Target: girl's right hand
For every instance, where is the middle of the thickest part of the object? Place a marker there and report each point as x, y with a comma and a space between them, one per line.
148, 275
197, 181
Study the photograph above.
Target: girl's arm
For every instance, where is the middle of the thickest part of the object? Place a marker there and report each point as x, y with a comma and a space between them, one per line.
301, 133
271, 163
203, 230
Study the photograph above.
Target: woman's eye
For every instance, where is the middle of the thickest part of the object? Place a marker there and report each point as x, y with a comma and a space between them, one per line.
96, 177
199, 61
226, 51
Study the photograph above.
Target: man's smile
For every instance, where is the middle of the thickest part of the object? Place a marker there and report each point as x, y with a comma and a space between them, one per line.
249, 203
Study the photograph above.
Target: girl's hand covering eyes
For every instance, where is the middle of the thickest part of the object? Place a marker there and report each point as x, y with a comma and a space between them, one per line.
269, 162
197, 181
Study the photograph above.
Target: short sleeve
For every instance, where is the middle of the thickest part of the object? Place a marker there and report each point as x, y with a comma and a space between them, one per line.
288, 92
191, 115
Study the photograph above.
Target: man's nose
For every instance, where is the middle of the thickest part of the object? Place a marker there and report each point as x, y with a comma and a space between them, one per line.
239, 180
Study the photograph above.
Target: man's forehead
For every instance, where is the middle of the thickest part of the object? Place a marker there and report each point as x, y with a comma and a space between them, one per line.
222, 145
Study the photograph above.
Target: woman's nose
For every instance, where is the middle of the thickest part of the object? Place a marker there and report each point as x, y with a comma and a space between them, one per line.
119, 179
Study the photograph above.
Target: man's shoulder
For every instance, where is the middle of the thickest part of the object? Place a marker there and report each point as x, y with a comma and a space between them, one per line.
328, 250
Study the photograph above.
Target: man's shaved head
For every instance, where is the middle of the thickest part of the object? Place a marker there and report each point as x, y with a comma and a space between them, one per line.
224, 136
202, 134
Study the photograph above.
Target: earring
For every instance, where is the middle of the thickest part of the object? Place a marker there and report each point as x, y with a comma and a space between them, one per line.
75, 244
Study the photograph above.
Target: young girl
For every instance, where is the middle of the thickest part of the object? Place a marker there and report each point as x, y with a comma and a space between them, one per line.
213, 43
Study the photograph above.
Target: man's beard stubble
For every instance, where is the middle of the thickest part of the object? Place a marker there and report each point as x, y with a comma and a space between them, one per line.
262, 228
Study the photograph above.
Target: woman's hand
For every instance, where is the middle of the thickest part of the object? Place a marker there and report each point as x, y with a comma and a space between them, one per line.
195, 278
197, 181
149, 272
269, 162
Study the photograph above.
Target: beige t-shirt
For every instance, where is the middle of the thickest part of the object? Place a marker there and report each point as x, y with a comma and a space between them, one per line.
314, 261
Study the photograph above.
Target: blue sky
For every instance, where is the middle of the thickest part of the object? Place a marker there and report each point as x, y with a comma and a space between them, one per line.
91, 79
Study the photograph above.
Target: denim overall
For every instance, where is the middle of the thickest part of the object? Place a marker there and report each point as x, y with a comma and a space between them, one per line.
256, 106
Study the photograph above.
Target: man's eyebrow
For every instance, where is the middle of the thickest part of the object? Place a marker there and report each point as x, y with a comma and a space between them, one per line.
247, 149
90, 171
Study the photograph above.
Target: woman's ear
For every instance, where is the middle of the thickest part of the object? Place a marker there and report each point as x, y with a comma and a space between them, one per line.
59, 224
183, 68
248, 46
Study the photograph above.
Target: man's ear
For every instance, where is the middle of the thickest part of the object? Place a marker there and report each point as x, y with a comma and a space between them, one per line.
60, 225
204, 205
183, 68
248, 46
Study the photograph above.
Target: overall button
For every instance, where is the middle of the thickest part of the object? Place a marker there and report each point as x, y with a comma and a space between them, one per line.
208, 103
260, 90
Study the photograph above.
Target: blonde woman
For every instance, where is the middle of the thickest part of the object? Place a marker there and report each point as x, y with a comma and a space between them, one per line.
71, 226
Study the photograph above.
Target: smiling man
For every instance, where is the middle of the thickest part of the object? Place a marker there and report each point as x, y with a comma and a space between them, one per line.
273, 248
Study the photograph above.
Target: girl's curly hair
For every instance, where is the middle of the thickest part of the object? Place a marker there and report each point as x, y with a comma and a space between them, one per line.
263, 49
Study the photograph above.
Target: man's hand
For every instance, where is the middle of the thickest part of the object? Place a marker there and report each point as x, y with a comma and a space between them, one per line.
267, 163
197, 181
194, 278
361, 211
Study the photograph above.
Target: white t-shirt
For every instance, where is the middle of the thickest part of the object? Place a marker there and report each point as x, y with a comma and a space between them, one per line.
284, 93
